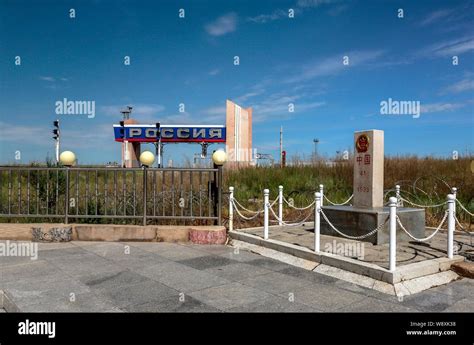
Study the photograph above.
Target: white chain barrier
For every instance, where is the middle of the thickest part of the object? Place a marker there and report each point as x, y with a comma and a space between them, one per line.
426, 238
246, 209
422, 206
289, 224
393, 218
353, 237
245, 217
464, 208
333, 203
298, 208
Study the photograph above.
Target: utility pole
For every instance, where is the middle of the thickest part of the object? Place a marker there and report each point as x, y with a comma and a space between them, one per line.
315, 141
281, 146
56, 135
159, 149
126, 116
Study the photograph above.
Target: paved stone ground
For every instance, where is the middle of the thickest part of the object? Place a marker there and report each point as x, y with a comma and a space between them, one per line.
167, 277
407, 252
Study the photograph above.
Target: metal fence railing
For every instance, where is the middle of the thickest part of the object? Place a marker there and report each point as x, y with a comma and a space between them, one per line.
110, 193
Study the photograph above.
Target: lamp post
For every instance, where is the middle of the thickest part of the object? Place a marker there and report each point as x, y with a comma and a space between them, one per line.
68, 159
219, 157
146, 159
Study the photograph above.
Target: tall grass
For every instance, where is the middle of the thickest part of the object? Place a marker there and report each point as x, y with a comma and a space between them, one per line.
426, 181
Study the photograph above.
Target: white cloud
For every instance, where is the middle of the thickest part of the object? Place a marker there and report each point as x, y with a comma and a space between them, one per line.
265, 18
31, 134
222, 25
461, 86
276, 107
215, 71
334, 65
452, 47
440, 107
47, 78
435, 16
141, 112
315, 3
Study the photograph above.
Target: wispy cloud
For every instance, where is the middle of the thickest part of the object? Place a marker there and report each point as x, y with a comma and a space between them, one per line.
215, 71
222, 25
275, 106
440, 107
47, 78
466, 84
265, 18
298, 8
435, 16
334, 65
31, 134
315, 3
451, 47
140, 111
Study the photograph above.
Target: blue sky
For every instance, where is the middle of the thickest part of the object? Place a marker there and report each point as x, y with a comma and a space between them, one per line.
282, 60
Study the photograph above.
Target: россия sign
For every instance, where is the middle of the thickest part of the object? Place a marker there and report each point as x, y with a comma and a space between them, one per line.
171, 133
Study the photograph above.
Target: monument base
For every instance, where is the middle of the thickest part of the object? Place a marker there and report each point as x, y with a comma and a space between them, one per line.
355, 221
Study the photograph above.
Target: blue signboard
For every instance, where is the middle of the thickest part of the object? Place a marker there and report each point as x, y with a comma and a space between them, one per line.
170, 133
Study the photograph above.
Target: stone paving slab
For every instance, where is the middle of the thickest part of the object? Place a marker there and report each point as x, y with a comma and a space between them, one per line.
407, 252
158, 277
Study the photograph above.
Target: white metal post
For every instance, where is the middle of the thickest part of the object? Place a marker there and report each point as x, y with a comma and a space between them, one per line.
266, 193
126, 154
321, 191
451, 201
393, 234
317, 221
397, 194
280, 205
231, 208
454, 190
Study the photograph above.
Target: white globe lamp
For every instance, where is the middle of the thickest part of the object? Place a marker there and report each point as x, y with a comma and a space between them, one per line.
67, 158
219, 157
147, 158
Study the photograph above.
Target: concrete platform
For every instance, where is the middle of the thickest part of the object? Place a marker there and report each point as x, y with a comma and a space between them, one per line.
402, 273
355, 221
114, 233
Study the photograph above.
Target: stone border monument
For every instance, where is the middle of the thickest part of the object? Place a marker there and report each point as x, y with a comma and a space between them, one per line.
368, 211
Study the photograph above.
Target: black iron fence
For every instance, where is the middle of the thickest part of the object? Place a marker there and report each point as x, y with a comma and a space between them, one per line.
144, 195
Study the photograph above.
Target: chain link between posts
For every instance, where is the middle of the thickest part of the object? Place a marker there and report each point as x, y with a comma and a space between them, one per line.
299, 208
289, 224
333, 203
464, 208
426, 238
354, 237
423, 206
245, 217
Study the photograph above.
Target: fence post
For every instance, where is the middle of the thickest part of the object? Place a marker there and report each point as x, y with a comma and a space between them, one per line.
451, 201
144, 193
266, 193
393, 234
231, 208
317, 221
280, 205
454, 190
321, 191
220, 184
66, 206
397, 194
